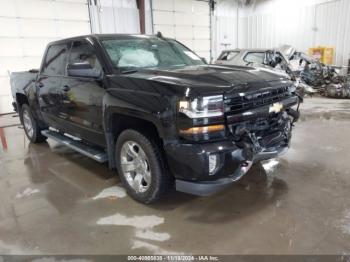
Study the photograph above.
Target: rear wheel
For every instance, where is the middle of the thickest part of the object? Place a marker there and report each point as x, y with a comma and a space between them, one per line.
141, 166
30, 125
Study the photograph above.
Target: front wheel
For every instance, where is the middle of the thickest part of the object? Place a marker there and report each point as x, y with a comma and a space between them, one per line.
30, 125
141, 167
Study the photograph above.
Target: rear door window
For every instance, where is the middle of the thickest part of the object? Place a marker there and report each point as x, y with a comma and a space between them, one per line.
255, 57
55, 60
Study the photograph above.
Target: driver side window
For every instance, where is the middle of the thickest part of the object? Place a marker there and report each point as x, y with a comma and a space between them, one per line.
81, 52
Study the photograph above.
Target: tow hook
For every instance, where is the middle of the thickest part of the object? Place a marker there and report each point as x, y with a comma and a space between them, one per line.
293, 113
256, 145
242, 170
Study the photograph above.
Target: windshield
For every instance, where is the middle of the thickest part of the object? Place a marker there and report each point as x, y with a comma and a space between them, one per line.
228, 55
129, 54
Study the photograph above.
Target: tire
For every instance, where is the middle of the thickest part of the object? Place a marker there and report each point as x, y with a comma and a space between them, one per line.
30, 125
140, 166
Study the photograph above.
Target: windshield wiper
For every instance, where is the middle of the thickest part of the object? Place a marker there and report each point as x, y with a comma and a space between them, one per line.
130, 71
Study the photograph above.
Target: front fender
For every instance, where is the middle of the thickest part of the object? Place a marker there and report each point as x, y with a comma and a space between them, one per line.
152, 107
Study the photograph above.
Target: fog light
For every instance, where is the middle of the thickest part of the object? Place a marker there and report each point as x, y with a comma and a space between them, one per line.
213, 163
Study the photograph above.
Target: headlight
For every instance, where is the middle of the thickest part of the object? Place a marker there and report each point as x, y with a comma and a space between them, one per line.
207, 106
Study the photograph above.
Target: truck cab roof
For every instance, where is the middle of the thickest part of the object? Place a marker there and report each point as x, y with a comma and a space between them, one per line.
102, 36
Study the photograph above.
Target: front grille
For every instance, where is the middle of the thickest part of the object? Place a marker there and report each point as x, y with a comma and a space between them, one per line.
271, 131
241, 102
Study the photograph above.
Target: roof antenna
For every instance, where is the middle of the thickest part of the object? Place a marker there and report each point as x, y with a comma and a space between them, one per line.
159, 34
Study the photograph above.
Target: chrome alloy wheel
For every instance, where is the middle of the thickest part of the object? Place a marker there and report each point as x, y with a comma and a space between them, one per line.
135, 166
27, 123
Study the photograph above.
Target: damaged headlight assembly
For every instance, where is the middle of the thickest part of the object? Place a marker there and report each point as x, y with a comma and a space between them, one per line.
208, 106
201, 118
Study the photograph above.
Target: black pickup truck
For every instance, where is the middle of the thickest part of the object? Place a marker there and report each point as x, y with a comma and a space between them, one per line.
156, 112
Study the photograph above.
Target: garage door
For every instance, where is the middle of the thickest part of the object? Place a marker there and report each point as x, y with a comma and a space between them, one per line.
115, 17
188, 21
26, 26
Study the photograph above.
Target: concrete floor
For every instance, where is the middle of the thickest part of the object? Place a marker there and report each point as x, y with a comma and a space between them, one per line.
55, 201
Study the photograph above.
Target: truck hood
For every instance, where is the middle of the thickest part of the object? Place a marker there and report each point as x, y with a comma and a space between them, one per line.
210, 79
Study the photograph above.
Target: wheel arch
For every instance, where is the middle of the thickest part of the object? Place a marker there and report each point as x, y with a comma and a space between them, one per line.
116, 121
21, 99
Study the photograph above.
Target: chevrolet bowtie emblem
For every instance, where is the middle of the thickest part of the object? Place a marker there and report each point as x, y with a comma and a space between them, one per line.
276, 108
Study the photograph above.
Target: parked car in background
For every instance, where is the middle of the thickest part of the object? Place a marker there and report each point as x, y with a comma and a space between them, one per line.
153, 110
280, 60
309, 75
264, 59
270, 58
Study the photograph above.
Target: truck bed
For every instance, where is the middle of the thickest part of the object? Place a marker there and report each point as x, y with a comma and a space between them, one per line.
21, 80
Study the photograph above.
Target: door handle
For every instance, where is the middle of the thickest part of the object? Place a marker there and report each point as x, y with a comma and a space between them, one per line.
66, 88
40, 85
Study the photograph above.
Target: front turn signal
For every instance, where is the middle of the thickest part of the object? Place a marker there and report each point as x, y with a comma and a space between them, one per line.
202, 130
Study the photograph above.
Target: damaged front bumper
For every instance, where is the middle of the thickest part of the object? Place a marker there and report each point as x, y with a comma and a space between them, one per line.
204, 169
206, 188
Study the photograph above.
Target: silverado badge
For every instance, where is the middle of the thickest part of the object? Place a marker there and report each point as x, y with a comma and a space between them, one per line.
276, 108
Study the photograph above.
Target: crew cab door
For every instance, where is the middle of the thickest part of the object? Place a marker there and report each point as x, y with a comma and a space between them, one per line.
48, 83
82, 94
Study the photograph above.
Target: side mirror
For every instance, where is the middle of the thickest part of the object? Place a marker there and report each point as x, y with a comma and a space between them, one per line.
204, 60
83, 69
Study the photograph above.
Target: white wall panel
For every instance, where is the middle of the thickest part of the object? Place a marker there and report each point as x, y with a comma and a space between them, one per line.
185, 20
7, 8
11, 29
115, 16
77, 12
224, 26
127, 21
188, 43
148, 17
71, 28
201, 33
199, 8
106, 26
271, 23
333, 28
163, 17
3, 82
201, 45
26, 26
34, 9
10, 64
183, 6
184, 32
5, 100
165, 5
201, 20
34, 47
273, 30
167, 30
37, 28
75, 1
203, 54
10, 47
